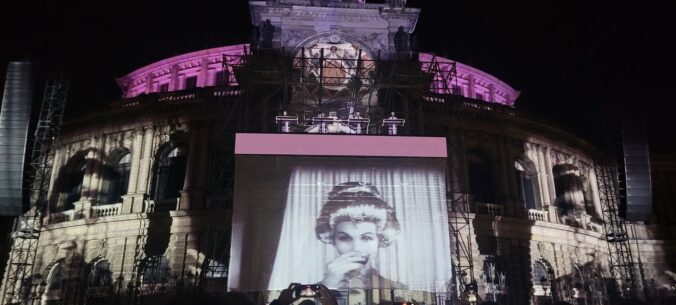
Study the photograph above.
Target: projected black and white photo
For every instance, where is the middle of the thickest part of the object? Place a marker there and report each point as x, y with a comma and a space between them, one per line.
372, 223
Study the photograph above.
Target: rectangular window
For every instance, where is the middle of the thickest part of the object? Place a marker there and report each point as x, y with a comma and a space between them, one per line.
222, 78
480, 96
191, 82
164, 87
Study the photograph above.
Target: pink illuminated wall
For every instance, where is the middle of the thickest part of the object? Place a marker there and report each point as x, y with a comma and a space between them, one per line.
171, 74
339, 145
468, 81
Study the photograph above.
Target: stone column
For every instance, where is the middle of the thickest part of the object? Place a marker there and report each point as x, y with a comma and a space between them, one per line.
470, 86
202, 174
149, 83
191, 168
543, 189
145, 172
56, 171
454, 164
202, 80
136, 152
102, 152
133, 201
595, 191
173, 81
553, 215
510, 174
550, 173
503, 178
491, 92
89, 193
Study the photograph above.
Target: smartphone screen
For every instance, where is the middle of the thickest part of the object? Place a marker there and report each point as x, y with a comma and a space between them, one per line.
309, 291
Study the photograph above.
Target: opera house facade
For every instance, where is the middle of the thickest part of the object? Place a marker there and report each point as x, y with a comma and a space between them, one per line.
251, 166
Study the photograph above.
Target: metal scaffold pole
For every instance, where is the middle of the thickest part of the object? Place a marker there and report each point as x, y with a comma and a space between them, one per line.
26, 234
620, 258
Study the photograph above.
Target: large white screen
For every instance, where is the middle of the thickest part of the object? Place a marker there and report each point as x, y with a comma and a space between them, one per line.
346, 222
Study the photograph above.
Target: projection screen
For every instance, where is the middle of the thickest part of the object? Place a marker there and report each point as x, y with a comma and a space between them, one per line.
377, 222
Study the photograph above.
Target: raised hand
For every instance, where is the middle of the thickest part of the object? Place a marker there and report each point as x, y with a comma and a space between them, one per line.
342, 267
287, 296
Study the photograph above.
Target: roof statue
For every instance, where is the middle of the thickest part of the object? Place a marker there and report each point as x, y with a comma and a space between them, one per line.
402, 40
267, 31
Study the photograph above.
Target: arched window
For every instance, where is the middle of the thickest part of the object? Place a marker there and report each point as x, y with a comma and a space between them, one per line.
540, 275
169, 173
72, 179
55, 277
100, 274
155, 270
526, 183
480, 177
117, 179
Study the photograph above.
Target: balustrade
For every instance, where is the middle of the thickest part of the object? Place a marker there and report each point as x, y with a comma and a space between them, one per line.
106, 210
490, 209
59, 217
538, 215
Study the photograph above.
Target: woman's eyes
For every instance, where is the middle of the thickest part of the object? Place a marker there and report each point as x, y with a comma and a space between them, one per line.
367, 237
342, 237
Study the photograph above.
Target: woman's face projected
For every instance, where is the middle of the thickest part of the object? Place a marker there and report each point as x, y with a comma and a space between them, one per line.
361, 237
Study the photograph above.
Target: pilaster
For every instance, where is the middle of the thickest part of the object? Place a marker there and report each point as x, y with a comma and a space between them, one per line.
202, 76
133, 201
191, 167
202, 176
542, 176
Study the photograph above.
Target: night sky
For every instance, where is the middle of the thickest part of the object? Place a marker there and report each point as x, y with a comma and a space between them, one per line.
566, 57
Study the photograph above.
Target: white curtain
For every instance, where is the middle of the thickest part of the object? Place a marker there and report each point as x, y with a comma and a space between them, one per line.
420, 256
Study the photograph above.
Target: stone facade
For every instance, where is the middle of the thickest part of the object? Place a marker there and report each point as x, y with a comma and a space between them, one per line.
504, 229
534, 220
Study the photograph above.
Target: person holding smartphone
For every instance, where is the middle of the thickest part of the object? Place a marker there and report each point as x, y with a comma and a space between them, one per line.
293, 293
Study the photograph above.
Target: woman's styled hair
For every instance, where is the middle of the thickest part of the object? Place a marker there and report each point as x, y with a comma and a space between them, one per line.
357, 202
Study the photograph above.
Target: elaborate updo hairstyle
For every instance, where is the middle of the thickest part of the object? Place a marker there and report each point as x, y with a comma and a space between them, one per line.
357, 202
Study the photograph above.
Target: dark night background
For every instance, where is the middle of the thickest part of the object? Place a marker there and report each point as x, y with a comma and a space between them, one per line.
566, 57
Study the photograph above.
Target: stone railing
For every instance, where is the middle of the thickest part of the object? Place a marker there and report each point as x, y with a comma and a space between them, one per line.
106, 210
489, 208
59, 217
538, 215
162, 205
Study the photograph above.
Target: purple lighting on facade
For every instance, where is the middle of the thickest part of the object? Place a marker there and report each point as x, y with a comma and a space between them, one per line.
468, 81
206, 68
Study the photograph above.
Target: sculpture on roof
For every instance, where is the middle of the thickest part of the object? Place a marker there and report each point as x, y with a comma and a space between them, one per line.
402, 40
267, 32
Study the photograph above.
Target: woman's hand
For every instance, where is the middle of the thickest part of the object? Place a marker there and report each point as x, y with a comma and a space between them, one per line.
287, 296
339, 269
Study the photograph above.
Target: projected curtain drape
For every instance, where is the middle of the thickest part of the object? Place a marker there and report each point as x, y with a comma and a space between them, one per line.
419, 258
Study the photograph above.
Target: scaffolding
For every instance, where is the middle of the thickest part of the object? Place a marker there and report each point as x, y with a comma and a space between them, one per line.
262, 83
620, 257
26, 234
461, 249
214, 269
610, 178
312, 82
